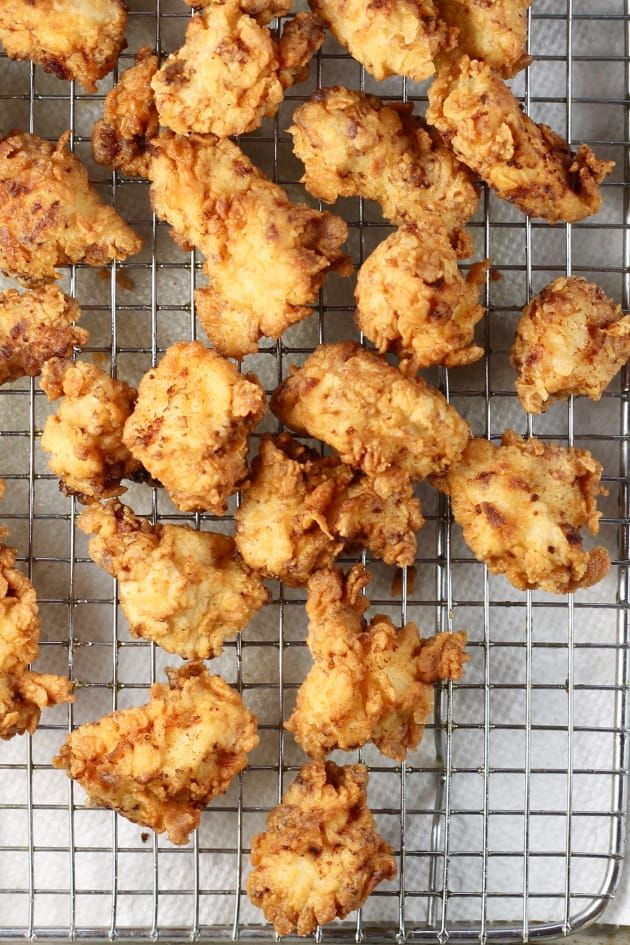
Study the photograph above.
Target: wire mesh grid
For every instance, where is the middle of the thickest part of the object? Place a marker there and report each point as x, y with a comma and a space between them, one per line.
508, 823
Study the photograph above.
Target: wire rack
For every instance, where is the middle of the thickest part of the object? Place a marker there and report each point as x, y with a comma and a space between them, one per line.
508, 823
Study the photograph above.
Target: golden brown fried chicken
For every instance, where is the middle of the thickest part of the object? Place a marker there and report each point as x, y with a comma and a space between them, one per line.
34, 327
525, 163
392, 427
353, 145
321, 855
191, 424
369, 682
494, 32
571, 339
84, 437
266, 258
261, 10
412, 299
130, 121
50, 215
159, 764
187, 590
521, 506
73, 39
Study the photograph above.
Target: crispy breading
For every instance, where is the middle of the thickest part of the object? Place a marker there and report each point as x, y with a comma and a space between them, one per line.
159, 764
494, 32
191, 425
35, 326
354, 145
521, 506
266, 258
50, 215
84, 436
321, 854
261, 10
570, 339
525, 163
130, 120
412, 299
392, 427
369, 682
72, 39
187, 590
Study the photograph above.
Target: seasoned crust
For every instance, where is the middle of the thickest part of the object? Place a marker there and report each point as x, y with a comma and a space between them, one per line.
263, 11
494, 32
321, 855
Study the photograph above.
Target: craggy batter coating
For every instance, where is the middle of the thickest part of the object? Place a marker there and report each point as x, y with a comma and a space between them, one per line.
130, 120
527, 164
159, 764
392, 427
353, 145
412, 299
495, 32
186, 590
84, 437
34, 327
191, 425
321, 855
261, 10
73, 39
521, 506
369, 682
50, 215
266, 258
300, 510
571, 339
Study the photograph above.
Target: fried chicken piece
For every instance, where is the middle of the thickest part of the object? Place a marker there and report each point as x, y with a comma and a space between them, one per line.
392, 427
50, 215
412, 299
369, 682
353, 145
187, 590
266, 258
521, 506
72, 39
34, 327
159, 764
571, 339
321, 855
263, 11
494, 32
191, 424
527, 164
84, 437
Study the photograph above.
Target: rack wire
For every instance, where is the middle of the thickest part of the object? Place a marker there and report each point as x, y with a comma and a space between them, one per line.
508, 823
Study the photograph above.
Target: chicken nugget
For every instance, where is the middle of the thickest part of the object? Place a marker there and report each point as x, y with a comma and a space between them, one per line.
494, 32
261, 10
321, 854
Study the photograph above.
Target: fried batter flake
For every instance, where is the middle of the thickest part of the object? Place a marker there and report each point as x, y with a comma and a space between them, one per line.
494, 32
527, 164
521, 506
571, 339
191, 424
321, 855
369, 682
159, 764
187, 590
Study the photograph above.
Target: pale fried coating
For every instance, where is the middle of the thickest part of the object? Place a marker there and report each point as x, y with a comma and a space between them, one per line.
392, 427
34, 327
50, 215
159, 764
521, 506
353, 145
191, 424
369, 682
525, 163
187, 590
495, 32
412, 299
321, 854
266, 258
73, 39
130, 120
261, 10
300, 510
84, 436
571, 339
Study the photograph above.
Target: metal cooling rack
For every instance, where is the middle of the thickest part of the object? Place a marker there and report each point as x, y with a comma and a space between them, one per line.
509, 822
